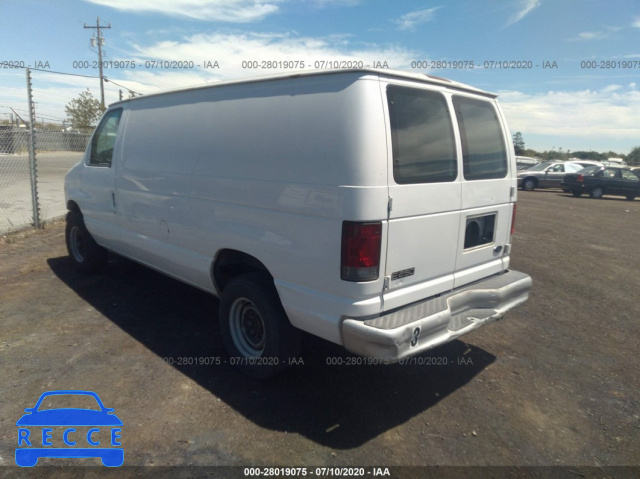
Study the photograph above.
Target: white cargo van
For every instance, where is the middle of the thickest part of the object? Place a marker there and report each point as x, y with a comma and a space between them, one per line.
371, 208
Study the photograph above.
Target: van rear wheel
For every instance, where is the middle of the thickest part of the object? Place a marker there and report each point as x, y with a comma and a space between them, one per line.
257, 334
87, 255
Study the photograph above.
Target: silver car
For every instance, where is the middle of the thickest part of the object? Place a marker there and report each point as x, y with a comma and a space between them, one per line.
546, 175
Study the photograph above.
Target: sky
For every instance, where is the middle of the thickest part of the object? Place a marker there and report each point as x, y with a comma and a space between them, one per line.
567, 72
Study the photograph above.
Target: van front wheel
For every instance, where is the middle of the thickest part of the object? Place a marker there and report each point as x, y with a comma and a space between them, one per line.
255, 329
87, 255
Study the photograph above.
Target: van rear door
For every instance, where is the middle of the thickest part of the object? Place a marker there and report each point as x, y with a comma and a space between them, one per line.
487, 189
425, 194
449, 188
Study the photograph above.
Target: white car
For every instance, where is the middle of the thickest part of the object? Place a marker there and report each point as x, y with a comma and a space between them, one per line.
371, 208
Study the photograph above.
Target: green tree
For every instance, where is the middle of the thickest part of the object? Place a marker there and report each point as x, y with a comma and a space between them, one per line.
518, 143
633, 158
590, 155
84, 110
552, 155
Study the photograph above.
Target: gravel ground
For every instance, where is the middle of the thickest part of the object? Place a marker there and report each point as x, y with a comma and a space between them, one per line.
555, 383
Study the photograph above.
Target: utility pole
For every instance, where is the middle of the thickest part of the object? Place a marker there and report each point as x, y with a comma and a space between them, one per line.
100, 42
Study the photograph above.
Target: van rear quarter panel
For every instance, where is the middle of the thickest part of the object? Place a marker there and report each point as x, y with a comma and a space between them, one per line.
270, 168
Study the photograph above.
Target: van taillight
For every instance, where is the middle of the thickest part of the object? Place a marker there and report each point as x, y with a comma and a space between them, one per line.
513, 220
361, 243
580, 179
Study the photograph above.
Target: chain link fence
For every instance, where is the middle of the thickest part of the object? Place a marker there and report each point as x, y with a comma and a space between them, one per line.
37, 148
15, 179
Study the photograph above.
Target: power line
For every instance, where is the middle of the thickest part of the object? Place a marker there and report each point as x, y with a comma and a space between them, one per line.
63, 73
106, 79
19, 109
109, 80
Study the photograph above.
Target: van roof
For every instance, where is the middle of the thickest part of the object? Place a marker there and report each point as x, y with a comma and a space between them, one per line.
420, 77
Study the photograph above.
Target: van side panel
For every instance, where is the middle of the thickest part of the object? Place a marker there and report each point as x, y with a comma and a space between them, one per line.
270, 169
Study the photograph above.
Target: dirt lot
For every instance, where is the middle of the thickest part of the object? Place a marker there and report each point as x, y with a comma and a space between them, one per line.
555, 383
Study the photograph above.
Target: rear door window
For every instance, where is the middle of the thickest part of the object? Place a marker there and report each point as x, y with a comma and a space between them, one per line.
483, 147
422, 136
611, 173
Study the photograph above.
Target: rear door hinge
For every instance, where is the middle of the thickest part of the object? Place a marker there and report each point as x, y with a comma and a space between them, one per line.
390, 204
387, 280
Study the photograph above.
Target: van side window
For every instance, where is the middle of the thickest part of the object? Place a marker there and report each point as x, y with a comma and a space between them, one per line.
422, 136
104, 139
483, 147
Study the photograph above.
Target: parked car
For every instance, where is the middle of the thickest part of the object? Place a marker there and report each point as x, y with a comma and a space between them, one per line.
372, 209
545, 175
598, 181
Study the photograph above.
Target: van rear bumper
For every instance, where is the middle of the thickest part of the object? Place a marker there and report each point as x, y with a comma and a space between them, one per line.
426, 324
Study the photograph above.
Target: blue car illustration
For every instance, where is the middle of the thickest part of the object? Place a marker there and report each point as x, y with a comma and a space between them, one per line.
31, 447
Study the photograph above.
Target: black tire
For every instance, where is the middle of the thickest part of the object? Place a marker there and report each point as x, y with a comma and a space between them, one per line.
87, 255
577, 194
529, 184
597, 192
257, 334
631, 197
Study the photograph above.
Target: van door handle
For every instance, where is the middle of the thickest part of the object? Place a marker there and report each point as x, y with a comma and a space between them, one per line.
113, 199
